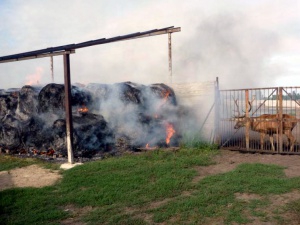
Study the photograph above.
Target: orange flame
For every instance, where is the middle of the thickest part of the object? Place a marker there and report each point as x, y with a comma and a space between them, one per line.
170, 131
83, 109
50, 152
167, 95
165, 99
34, 78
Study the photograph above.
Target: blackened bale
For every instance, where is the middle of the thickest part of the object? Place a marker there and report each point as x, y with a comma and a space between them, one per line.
93, 132
8, 103
91, 135
58, 136
10, 132
164, 92
27, 102
129, 93
35, 134
80, 97
52, 98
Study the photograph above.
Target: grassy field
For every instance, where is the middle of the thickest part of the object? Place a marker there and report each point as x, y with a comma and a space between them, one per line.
149, 188
8, 162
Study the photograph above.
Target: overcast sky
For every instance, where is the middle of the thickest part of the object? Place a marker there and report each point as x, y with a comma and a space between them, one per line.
247, 44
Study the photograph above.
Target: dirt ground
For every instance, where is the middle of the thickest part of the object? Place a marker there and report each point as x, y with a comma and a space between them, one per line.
228, 160
30, 176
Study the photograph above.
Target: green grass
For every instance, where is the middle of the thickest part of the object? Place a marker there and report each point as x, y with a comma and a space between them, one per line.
30, 206
8, 162
215, 194
196, 141
152, 187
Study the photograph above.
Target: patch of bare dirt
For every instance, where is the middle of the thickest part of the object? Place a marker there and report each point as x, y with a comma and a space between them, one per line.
229, 160
75, 214
30, 176
247, 197
276, 205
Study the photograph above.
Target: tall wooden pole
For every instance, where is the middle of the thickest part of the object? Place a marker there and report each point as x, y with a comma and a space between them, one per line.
52, 73
68, 108
170, 57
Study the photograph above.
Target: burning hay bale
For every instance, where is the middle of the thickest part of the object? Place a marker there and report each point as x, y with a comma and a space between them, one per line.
58, 134
52, 98
8, 102
137, 113
10, 137
27, 102
93, 134
108, 117
34, 134
129, 92
164, 92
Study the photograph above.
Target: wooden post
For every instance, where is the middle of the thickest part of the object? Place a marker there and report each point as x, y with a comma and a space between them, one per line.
247, 130
280, 121
52, 73
170, 57
68, 108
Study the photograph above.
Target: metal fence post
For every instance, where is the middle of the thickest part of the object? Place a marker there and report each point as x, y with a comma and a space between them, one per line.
280, 110
217, 113
247, 130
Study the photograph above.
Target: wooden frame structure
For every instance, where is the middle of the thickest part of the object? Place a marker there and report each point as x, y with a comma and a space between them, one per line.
66, 50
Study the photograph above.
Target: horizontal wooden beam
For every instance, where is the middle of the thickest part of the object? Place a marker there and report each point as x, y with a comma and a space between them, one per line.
67, 49
38, 56
171, 30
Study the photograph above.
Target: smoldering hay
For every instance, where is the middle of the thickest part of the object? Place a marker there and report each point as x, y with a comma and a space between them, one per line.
106, 118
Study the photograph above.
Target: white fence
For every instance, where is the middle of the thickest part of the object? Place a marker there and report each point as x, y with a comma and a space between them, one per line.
198, 99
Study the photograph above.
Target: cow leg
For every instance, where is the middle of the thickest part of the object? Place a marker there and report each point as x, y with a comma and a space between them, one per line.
262, 139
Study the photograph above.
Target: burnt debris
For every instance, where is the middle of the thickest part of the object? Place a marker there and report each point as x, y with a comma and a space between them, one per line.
106, 118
